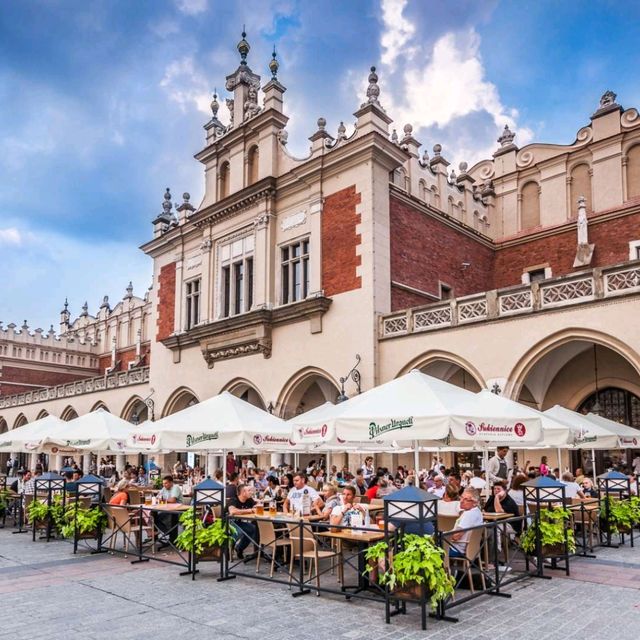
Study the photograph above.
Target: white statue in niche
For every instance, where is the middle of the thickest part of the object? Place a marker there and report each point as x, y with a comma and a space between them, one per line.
584, 252
583, 232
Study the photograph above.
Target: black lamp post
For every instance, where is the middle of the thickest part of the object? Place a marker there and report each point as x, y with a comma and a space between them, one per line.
89, 486
51, 484
207, 494
545, 492
613, 485
410, 509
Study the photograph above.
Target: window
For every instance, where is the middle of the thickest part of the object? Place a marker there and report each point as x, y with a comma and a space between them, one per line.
295, 272
536, 274
445, 292
236, 277
634, 250
193, 303
530, 206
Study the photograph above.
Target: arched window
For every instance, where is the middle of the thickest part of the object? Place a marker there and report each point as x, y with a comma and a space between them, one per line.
633, 172
580, 186
530, 206
252, 165
223, 178
616, 404
422, 190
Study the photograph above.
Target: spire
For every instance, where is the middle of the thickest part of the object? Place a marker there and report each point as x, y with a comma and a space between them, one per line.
273, 64
373, 91
243, 47
66, 306
129, 290
85, 309
507, 136
215, 105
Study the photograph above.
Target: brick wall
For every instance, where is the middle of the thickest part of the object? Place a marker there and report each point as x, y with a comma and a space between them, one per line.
425, 251
166, 301
611, 238
13, 374
339, 242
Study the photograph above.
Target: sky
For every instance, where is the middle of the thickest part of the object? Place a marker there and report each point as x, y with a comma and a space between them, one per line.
102, 104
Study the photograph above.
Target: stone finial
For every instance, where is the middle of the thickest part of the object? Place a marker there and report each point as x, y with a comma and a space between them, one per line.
607, 99
342, 131
507, 137
373, 90
273, 64
186, 204
283, 136
463, 166
425, 157
51, 331
105, 303
437, 150
452, 176
215, 105
85, 309
322, 123
408, 130
243, 47
25, 326
394, 137
129, 291
166, 203
230, 106
66, 306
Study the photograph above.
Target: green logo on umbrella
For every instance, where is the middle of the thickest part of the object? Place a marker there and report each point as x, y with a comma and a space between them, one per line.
193, 440
376, 430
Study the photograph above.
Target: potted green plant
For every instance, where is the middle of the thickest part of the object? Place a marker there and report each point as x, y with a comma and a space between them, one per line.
206, 543
553, 525
620, 515
4, 502
87, 521
418, 562
39, 512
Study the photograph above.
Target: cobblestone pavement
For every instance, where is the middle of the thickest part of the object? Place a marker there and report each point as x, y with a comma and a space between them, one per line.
45, 591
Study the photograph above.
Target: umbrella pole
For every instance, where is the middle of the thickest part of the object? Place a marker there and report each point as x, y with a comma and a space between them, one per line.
416, 461
593, 467
559, 461
224, 476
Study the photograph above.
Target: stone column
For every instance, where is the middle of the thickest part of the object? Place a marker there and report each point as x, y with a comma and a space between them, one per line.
121, 461
277, 459
212, 464
59, 462
86, 463
33, 461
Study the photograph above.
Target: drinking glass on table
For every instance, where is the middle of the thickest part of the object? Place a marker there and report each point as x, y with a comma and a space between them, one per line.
259, 508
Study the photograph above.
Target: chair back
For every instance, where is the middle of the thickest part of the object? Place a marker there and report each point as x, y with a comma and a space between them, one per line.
119, 516
474, 544
267, 532
446, 523
308, 541
135, 496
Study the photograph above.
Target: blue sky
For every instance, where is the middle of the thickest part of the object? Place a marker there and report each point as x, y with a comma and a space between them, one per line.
102, 105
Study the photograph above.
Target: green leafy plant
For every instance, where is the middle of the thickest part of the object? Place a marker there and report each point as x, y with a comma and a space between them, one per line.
620, 515
157, 483
214, 535
552, 523
419, 561
86, 520
38, 511
4, 500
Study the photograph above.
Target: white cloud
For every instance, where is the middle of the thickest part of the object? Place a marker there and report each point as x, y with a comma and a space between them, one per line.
10, 236
441, 84
397, 32
192, 7
187, 86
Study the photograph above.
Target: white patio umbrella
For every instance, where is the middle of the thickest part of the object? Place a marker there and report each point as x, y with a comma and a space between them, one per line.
28, 438
420, 409
221, 422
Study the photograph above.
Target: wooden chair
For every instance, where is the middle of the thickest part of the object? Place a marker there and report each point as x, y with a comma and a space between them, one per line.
589, 518
472, 556
269, 539
307, 549
446, 523
135, 496
120, 520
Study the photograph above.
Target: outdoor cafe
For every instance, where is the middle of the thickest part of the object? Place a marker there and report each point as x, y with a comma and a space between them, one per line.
408, 538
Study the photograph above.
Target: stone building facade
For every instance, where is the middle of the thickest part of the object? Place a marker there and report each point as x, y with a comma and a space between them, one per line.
520, 273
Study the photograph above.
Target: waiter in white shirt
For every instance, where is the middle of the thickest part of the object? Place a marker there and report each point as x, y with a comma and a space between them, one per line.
497, 468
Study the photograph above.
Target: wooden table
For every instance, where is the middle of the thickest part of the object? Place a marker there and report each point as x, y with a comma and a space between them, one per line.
487, 516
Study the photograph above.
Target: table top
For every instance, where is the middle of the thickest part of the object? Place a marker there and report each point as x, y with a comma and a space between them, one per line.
349, 534
488, 516
177, 506
281, 517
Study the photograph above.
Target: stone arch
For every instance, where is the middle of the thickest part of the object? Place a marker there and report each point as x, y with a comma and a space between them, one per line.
223, 180
243, 388
253, 158
633, 171
530, 205
580, 184
448, 367
135, 410
69, 413
42, 414
308, 388
20, 421
180, 399
4, 427
573, 341
434, 199
100, 405
422, 190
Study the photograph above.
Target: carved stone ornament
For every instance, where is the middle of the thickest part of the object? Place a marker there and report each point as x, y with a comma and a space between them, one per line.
293, 220
251, 107
230, 107
283, 136
607, 99
506, 137
211, 356
261, 221
373, 91
584, 251
206, 245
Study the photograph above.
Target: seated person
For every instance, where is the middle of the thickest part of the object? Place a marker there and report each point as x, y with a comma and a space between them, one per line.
571, 487
374, 485
331, 500
273, 492
242, 505
501, 502
341, 514
587, 488
471, 516
438, 487
168, 522
121, 495
294, 501
450, 503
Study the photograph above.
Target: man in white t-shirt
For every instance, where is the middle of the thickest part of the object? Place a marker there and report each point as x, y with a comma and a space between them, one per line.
477, 482
571, 487
293, 502
438, 487
342, 514
471, 516
636, 465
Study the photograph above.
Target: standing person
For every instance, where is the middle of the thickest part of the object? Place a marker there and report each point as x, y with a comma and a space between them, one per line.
9, 466
367, 469
230, 463
497, 469
544, 467
635, 463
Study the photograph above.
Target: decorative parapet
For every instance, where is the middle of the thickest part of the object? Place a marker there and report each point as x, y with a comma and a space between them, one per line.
579, 288
80, 387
